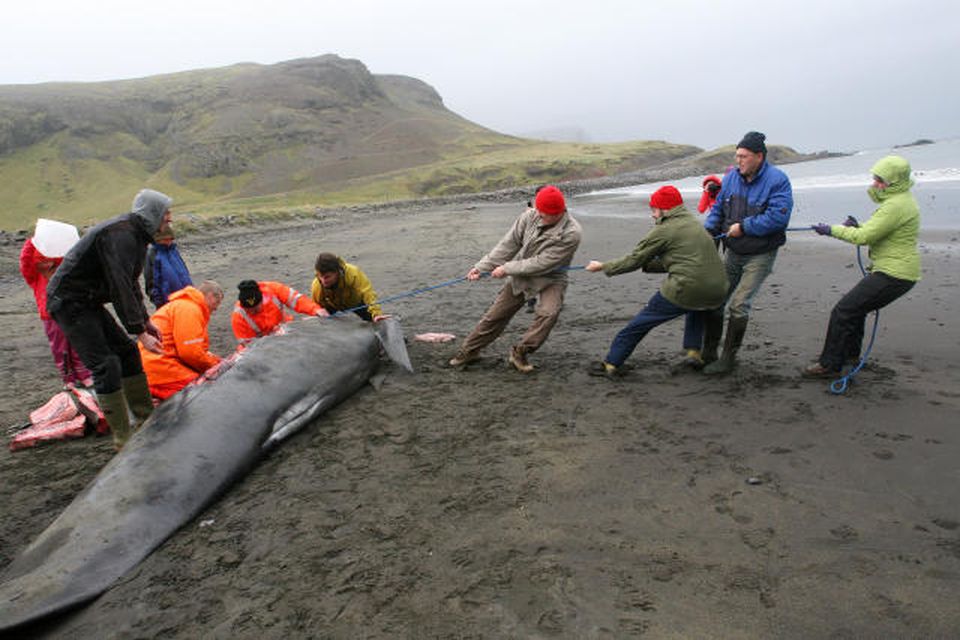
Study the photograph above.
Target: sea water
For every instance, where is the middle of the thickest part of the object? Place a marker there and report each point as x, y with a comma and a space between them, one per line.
825, 190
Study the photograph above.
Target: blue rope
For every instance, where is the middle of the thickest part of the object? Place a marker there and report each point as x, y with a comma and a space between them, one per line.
839, 385
723, 235
448, 283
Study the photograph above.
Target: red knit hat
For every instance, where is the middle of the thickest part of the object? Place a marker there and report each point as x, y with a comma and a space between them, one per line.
666, 197
550, 201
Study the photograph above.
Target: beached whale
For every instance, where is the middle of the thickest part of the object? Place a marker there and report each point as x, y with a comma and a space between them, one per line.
191, 449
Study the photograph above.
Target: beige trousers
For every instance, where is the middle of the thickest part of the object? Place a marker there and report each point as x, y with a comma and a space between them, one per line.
497, 317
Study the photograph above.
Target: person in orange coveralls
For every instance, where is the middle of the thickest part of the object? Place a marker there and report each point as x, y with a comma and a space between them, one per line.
186, 345
261, 308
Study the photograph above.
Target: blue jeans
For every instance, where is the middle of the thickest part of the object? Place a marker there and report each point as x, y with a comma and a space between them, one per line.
657, 311
746, 273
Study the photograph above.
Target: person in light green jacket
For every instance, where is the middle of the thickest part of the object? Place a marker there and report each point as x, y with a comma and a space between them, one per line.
696, 280
891, 233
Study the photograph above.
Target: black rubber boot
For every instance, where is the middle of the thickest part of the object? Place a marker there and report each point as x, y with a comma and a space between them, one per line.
736, 328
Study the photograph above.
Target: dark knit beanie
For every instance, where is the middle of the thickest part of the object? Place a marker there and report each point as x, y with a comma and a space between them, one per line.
666, 198
753, 141
250, 295
550, 201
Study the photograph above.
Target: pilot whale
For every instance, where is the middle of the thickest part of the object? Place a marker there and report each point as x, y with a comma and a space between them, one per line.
193, 447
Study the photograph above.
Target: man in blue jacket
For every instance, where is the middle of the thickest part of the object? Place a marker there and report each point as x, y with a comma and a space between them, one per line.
164, 271
751, 215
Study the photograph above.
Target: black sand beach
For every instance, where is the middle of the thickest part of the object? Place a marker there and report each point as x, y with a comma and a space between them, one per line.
483, 503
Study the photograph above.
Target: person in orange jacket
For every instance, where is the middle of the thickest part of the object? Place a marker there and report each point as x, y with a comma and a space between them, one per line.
261, 308
186, 345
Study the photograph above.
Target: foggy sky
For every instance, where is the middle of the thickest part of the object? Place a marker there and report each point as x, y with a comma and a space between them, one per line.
813, 74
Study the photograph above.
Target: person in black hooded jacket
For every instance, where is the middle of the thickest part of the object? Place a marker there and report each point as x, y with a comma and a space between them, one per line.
104, 267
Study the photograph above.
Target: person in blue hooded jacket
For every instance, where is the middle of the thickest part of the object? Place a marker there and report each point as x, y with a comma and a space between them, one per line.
164, 271
751, 215
104, 267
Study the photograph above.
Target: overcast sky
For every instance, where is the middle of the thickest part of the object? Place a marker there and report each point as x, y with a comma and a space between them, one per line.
812, 74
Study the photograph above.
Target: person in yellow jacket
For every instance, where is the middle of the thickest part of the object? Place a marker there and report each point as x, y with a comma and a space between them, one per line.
891, 234
186, 345
341, 286
262, 307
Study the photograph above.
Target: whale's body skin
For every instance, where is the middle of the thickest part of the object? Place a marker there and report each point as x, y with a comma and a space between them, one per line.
193, 447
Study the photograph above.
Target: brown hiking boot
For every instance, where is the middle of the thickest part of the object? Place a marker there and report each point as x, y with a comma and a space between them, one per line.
462, 357
817, 370
518, 358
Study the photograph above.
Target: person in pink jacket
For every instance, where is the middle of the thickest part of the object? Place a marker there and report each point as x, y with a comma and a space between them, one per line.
37, 269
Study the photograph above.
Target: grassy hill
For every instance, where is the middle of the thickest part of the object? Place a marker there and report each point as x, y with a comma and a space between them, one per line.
264, 139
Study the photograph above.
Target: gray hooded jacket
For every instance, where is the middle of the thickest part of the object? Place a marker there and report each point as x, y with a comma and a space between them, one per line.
105, 265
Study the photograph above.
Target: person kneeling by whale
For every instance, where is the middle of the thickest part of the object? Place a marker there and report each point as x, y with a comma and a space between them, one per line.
186, 344
696, 281
261, 308
340, 286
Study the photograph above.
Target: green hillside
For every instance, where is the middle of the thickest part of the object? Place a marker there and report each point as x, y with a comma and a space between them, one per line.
263, 139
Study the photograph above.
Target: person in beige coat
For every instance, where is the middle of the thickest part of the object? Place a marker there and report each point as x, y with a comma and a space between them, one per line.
532, 256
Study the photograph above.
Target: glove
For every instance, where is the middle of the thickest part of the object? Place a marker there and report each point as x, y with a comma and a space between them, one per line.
851, 222
822, 229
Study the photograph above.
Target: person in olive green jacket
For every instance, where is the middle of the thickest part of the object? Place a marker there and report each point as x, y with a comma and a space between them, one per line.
341, 286
891, 233
696, 280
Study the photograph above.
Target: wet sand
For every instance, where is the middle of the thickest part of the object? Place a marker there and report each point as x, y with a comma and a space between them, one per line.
484, 503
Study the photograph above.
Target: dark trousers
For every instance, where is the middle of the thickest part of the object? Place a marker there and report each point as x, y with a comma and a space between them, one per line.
657, 311
104, 347
845, 331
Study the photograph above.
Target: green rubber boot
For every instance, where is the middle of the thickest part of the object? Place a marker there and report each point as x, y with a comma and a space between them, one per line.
114, 407
736, 328
138, 397
712, 331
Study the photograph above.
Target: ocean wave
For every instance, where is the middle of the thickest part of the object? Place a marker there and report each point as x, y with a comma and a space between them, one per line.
947, 174
799, 183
